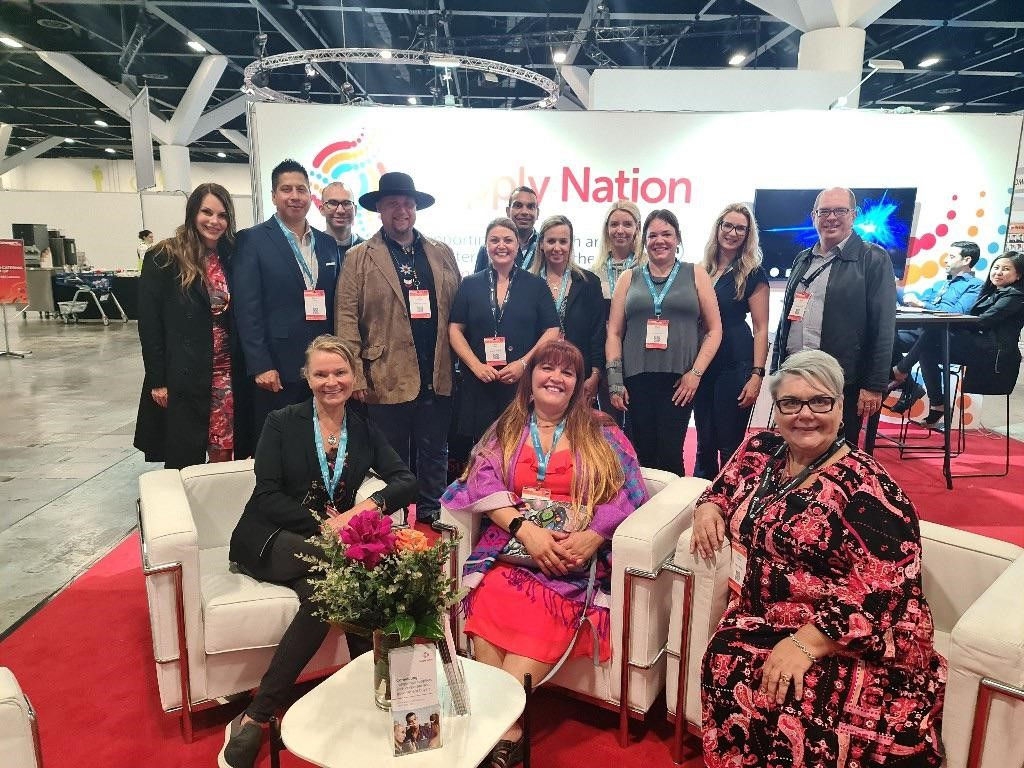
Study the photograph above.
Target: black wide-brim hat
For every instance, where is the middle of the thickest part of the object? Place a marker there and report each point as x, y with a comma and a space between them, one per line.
396, 183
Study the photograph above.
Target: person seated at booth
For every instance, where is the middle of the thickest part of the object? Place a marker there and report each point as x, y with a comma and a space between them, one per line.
957, 293
311, 458
824, 655
989, 348
549, 450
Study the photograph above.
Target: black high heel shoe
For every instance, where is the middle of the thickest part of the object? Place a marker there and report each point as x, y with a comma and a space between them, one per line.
934, 419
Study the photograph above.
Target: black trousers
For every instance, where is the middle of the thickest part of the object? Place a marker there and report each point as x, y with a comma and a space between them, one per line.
721, 424
657, 426
304, 635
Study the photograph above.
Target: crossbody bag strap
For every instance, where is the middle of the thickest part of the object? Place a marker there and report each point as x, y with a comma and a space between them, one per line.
591, 589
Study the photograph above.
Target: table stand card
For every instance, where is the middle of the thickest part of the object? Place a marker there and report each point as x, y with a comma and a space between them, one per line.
415, 699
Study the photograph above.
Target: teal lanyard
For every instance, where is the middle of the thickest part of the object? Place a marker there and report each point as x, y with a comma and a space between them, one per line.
544, 458
562, 290
531, 248
330, 480
613, 278
659, 297
297, 251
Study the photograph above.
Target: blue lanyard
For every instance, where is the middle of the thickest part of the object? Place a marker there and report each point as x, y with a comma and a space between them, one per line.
297, 251
330, 480
531, 249
659, 297
629, 263
544, 458
560, 301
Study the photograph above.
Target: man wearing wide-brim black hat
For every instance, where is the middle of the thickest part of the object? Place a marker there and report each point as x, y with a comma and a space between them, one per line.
394, 295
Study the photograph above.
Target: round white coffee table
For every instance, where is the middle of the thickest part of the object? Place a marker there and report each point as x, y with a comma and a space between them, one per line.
337, 723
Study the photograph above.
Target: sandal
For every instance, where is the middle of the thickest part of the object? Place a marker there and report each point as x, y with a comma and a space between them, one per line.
508, 753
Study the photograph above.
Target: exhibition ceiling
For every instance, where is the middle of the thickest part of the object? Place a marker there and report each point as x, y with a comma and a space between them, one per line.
959, 55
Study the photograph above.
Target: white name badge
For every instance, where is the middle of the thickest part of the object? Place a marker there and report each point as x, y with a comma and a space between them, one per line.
316, 305
738, 568
799, 308
657, 334
536, 498
419, 305
494, 351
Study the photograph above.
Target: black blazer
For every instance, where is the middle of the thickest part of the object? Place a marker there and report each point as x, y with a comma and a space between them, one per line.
586, 319
990, 348
287, 466
176, 332
268, 301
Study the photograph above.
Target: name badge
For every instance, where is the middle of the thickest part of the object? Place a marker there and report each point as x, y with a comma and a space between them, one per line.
657, 334
799, 308
419, 305
494, 351
316, 305
536, 498
738, 568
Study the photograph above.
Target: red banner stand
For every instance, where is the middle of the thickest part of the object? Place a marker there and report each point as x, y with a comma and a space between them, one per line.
13, 286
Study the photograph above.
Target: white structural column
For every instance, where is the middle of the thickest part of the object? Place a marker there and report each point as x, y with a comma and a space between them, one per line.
174, 158
237, 138
5, 138
174, 162
31, 153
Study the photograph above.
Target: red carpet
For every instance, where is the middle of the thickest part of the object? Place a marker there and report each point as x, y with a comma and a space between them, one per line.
85, 659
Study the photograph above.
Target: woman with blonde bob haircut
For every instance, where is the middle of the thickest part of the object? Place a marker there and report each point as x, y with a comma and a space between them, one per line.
621, 246
729, 387
548, 456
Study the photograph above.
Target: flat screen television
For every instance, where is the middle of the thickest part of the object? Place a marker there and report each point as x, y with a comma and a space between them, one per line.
70, 254
885, 217
56, 249
33, 235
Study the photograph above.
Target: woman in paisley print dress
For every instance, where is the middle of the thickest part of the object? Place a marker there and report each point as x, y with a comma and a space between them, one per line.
824, 656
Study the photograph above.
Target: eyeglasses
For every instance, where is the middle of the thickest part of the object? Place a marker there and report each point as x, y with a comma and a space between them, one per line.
332, 204
739, 229
793, 405
824, 213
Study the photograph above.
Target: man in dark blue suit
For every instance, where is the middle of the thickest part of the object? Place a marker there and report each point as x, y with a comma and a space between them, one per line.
286, 274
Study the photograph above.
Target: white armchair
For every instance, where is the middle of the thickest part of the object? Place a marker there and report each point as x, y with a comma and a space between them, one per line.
19, 735
642, 546
214, 630
973, 585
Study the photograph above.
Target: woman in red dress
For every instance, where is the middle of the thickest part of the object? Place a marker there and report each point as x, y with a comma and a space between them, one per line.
824, 656
187, 411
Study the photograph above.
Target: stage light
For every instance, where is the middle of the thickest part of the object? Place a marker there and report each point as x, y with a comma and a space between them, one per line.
100, 123
558, 57
109, 151
931, 61
196, 46
737, 59
69, 141
385, 54
310, 71
413, 100
221, 154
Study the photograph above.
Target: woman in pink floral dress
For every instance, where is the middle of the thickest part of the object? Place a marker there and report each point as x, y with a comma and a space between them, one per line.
824, 656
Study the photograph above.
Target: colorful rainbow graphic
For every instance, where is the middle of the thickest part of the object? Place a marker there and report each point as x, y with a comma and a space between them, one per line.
349, 161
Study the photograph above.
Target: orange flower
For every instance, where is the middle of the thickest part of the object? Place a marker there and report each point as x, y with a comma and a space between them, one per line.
409, 540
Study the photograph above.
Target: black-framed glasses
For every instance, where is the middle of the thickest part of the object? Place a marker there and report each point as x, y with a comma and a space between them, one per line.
739, 229
332, 204
824, 213
818, 404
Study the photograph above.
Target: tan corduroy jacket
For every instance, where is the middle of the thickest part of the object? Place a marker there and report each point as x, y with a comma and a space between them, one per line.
372, 318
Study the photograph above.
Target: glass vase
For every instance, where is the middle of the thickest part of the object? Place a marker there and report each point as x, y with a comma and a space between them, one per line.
383, 643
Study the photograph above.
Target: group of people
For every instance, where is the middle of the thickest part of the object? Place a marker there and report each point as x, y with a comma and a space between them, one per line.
824, 656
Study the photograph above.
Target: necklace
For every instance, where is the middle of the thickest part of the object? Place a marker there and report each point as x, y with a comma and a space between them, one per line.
332, 440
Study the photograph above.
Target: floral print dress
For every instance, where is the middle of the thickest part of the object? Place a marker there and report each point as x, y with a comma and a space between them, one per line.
845, 555
222, 400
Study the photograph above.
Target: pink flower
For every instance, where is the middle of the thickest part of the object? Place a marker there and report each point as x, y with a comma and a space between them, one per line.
368, 538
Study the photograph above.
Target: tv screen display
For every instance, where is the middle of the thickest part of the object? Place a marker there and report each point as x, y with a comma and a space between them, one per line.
885, 216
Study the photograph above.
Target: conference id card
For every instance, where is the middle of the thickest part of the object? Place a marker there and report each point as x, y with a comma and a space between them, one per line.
415, 699
799, 308
419, 305
536, 498
657, 334
494, 351
316, 305
738, 566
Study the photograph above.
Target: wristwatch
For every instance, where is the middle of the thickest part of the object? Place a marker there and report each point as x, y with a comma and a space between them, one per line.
378, 499
515, 525
758, 369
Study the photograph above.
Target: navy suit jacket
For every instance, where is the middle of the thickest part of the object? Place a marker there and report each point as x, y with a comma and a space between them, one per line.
269, 308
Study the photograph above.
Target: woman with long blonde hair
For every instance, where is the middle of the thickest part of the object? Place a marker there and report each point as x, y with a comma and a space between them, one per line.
621, 246
194, 376
729, 387
548, 453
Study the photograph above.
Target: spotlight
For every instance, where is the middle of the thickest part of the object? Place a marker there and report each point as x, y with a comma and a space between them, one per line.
261, 79
385, 54
310, 71
737, 59
413, 100
259, 45
558, 57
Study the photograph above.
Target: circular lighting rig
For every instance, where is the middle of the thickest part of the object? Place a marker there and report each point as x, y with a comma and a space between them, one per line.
256, 74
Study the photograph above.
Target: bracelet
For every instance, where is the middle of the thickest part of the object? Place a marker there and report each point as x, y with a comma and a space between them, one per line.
614, 365
796, 641
697, 372
521, 360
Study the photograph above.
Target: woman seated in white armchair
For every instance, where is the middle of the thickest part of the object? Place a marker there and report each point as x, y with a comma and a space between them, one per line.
548, 456
824, 656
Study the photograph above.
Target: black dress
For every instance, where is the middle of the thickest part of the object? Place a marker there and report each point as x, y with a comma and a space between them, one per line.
528, 312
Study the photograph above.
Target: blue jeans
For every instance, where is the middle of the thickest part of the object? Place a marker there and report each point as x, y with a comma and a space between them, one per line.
421, 424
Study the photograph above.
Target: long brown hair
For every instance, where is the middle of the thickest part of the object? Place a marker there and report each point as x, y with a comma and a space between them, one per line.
186, 249
598, 476
749, 256
550, 223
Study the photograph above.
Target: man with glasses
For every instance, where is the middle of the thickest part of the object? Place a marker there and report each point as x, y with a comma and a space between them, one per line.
339, 211
394, 297
841, 299
523, 209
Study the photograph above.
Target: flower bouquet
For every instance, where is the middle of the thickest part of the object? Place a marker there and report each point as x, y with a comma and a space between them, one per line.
394, 584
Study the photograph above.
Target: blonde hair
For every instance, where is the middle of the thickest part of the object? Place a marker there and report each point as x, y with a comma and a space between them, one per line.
605, 246
186, 249
598, 475
550, 223
332, 345
749, 257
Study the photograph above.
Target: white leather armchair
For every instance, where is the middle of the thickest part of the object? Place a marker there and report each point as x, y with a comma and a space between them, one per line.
214, 630
643, 544
19, 735
974, 586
